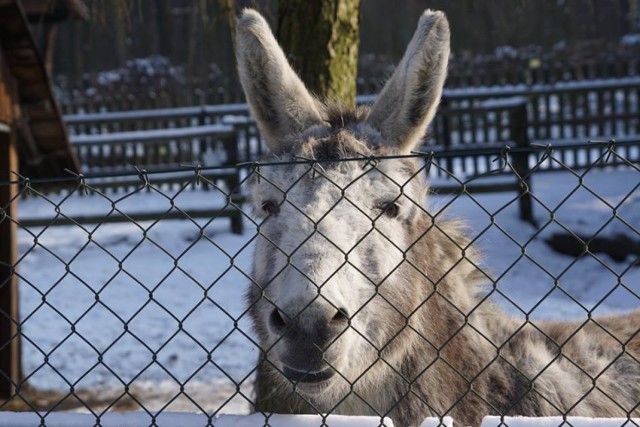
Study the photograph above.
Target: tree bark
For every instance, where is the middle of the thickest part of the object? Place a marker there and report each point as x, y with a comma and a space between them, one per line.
227, 10
119, 22
321, 40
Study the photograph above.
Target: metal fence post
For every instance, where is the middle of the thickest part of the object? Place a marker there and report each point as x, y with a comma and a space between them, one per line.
518, 127
10, 369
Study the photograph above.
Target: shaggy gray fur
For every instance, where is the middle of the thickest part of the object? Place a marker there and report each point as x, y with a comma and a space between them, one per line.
390, 302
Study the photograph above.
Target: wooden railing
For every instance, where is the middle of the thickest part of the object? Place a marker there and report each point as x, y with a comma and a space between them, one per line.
568, 110
576, 110
564, 115
156, 148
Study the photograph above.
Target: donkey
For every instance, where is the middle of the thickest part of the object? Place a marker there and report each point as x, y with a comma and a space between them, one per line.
366, 304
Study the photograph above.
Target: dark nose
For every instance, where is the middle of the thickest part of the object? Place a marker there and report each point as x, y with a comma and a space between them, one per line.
308, 334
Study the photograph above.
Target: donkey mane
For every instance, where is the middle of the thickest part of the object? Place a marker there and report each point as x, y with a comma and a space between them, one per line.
340, 116
364, 303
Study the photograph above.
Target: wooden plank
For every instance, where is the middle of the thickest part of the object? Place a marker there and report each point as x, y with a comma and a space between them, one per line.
26, 66
155, 134
475, 188
7, 93
10, 369
227, 212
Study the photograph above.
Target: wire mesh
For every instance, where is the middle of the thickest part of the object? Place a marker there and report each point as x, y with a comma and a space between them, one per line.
346, 291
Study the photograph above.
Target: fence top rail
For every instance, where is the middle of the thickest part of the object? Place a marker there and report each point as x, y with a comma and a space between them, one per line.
219, 130
157, 113
540, 89
456, 94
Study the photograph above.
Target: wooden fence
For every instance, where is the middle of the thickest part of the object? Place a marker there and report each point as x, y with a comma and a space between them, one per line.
565, 115
581, 109
562, 112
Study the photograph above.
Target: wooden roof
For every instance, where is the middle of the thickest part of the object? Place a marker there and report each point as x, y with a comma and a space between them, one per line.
44, 145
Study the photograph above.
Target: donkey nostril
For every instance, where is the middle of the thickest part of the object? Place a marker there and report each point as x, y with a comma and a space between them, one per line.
276, 321
340, 317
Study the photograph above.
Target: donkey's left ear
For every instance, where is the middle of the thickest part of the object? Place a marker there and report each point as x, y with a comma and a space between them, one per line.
410, 98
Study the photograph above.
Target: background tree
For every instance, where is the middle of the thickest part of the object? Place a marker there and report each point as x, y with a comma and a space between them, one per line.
321, 39
143, 28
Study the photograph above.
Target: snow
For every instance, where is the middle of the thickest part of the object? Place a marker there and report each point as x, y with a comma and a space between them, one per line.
595, 282
157, 113
540, 88
158, 307
437, 422
153, 134
171, 419
168, 419
558, 422
503, 103
303, 421
163, 305
631, 39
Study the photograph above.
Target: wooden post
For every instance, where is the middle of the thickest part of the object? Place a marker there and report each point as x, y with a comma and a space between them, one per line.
446, 113
230, 143
518, 126
9, 331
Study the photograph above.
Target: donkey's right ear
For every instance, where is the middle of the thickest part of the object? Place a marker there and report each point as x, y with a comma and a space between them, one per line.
410, 98
278, 99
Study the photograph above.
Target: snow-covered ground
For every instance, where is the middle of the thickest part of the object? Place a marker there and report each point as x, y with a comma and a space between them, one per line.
89, 319
166, 419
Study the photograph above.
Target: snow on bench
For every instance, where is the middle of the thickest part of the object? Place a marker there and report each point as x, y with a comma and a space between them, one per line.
156, 113
153, 134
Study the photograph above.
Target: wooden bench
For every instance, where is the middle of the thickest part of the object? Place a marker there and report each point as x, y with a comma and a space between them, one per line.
152, 150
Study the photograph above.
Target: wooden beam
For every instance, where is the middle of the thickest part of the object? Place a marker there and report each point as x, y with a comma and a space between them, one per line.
21, 62
39, 11
10, 366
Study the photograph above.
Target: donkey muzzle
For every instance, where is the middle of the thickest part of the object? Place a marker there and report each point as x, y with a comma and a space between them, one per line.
306, 340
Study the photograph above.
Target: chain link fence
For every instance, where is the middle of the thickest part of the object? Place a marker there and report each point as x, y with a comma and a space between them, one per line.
345, 292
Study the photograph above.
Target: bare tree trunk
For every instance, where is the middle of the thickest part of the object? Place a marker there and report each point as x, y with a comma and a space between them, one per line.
78, 52
634, 16
164, 22
119, 15
227, 10
321, 39
192, 42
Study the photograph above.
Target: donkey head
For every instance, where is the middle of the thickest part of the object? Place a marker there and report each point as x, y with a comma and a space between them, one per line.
331, 289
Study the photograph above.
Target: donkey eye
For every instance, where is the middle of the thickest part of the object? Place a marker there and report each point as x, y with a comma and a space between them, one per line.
270, 207
390, 209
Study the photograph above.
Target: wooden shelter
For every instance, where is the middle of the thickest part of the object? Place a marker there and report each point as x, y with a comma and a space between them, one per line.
34, 141
44, 17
